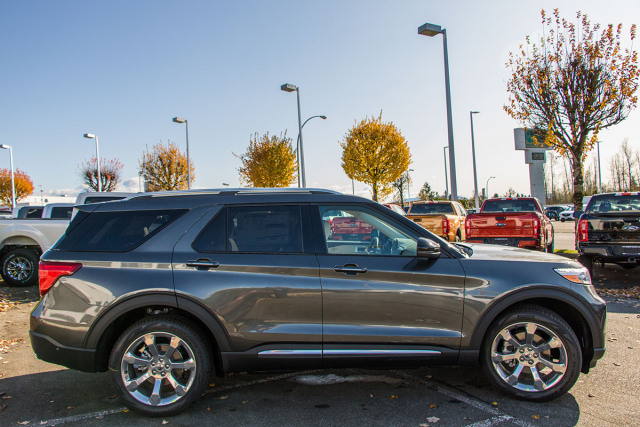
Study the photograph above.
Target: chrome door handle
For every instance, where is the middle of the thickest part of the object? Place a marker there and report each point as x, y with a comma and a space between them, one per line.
349, 269
203, 264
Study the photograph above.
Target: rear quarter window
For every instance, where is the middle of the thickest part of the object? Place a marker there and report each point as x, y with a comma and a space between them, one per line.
119, 231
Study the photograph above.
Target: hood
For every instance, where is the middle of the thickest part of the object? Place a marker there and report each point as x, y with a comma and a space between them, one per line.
509, 253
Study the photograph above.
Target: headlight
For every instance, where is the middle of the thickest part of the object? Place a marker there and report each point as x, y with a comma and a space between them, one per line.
575, 275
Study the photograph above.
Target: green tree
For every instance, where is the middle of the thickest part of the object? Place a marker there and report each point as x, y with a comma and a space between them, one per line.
576, 81
426, 193
270, 161
22, 183
376, 153
164, 168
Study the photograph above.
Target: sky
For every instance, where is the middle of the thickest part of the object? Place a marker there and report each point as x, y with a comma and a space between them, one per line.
123, 69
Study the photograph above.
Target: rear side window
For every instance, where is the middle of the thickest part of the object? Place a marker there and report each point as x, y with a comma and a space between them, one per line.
115, 231
63, 212
254, 229
100, 199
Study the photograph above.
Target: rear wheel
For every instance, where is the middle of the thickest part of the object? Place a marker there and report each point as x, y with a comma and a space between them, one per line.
531, 353
20, 267
458, 236
549, 248
160, 366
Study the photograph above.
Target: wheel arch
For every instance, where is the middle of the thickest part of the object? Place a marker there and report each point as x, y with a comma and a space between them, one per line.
111, 324
570, 308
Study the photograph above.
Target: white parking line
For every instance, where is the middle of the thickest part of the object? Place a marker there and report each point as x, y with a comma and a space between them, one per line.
491, 421
72, 418
478, 404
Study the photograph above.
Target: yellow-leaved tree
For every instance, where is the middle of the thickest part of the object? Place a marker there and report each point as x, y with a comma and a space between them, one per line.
574, 82
164, 168
22, 183
376, 153
270, 161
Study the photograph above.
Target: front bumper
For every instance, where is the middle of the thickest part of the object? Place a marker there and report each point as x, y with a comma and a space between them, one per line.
49, 350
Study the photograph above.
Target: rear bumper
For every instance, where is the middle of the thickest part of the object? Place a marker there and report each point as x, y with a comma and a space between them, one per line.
518, 242
49, 350
624, 253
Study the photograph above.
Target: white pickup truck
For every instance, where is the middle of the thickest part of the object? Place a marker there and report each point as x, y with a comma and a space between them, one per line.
23, 240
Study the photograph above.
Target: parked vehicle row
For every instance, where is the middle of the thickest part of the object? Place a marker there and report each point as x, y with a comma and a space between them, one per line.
443, 218
164, 289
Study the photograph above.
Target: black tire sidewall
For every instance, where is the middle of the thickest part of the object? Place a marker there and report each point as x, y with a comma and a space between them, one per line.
31, 256
185, 332
559, 327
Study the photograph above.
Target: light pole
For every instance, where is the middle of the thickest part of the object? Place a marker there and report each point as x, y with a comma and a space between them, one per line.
599, 174
298, 144
93, 136
473, 153
288, 87
431, 30
13, 182
446, 180
186, 122
408, 186
486, 187
41, 194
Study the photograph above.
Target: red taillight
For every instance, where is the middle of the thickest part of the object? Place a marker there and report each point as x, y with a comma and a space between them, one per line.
536, 227
583, 230
467, 227
445, 226
50, 272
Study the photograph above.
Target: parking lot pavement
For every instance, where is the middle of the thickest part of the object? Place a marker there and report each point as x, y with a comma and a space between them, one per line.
40, 394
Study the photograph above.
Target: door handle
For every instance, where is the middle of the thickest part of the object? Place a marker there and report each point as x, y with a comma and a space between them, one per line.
203, 264
349, 269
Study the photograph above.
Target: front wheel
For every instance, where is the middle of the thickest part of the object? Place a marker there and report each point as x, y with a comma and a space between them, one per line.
20, 267
531, 353
160, 366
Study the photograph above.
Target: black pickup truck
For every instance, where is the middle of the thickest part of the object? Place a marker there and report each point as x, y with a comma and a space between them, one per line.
609, 230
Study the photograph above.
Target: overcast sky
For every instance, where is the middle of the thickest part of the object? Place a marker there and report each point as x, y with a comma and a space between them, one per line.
123, 69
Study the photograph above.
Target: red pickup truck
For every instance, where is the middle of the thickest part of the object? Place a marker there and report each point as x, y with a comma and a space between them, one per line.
511, 221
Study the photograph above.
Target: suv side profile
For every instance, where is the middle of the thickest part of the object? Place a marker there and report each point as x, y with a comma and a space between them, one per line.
164, 289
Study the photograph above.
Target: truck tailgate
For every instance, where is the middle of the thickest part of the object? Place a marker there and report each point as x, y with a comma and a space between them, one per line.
494, 224
615, 229
432, 222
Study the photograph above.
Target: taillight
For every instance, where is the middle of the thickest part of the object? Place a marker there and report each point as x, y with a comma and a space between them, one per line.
467, 227
445, 226
536, 227
583, 230
50, 272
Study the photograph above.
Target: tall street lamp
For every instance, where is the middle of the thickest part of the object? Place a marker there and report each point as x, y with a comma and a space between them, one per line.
13, 183
599, 174
473, 153
186, 122
486, 187
446, 180
288, 87
431, 30
298, 147
93, 136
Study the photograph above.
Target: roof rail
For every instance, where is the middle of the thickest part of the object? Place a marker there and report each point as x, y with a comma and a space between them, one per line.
238, 191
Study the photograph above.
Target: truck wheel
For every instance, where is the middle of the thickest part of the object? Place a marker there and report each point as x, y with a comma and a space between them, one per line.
587, 261
550, 247
531, 353
20, 267
160, 366
458, 236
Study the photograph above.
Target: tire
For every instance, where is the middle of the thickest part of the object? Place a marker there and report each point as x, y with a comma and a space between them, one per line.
146, 343
587, 261
20, 267
511, 358
458, 236
550, 246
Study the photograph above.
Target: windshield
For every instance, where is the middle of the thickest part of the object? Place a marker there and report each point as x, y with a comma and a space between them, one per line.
612, 203
509, 206
431, 208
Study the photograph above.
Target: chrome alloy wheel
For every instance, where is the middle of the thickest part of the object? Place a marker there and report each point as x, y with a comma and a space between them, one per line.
19, 268
529, 357
158, 368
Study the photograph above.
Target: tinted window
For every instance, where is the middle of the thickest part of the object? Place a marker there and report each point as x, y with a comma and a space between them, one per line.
509, 206
63, 212
613, 203
115, 231
261, 229
100, 199
432, 208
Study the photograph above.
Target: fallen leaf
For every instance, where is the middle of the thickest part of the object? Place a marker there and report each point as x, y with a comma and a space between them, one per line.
591, 395
371, 395
393, 396
535, 417
69, 408
244, 402
433, 419
494, 403
3, 407
433, 405
24, 423
6, 397
99, 417
125, 410
616, 364
165, 422
212, 385
222, 397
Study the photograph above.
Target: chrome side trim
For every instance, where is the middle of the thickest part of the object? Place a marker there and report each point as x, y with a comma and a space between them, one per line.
348, 352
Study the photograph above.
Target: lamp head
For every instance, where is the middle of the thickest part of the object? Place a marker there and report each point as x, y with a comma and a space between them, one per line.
323, 117
429, 30
288, 87
89, 135
179, 120
5, 146
475, 112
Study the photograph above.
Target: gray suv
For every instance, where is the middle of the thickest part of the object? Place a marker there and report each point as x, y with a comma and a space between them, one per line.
164, 289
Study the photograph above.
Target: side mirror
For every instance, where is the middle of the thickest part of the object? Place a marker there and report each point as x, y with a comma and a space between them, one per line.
428, 248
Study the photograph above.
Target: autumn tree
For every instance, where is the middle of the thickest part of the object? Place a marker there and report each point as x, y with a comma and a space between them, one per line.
574, 82
164, 168
376, 153
270, 161
22, 183
110, 174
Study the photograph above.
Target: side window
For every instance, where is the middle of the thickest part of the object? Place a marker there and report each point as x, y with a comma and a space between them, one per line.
253, 229
356, 230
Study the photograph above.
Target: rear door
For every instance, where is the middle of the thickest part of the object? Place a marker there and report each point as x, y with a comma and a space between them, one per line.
378, 298
254, 268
